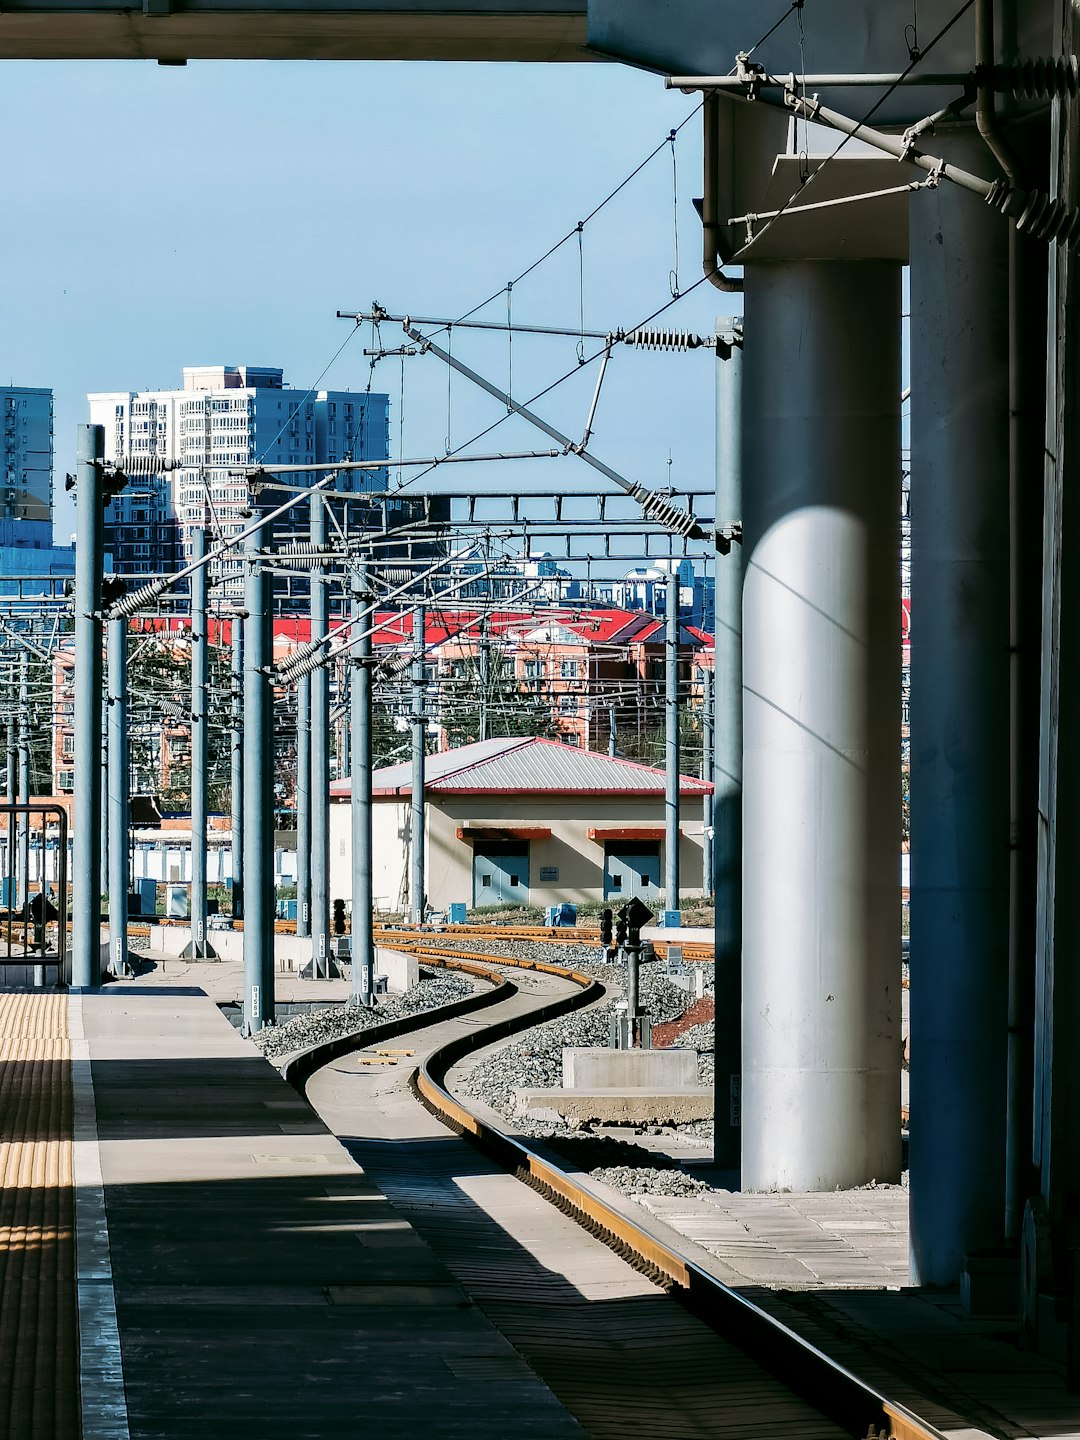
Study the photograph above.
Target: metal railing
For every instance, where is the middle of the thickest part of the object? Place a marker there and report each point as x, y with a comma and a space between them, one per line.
27, 920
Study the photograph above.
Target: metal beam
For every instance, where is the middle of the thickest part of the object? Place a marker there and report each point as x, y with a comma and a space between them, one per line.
485, 30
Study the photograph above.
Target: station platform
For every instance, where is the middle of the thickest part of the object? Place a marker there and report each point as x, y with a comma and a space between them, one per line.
237, 1273
186, 1250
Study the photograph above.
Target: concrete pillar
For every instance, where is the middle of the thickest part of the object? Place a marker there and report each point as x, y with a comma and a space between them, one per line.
821, 712
959, 724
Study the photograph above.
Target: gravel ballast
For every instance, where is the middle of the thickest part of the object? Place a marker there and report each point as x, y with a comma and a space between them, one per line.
534, 1062
436, 987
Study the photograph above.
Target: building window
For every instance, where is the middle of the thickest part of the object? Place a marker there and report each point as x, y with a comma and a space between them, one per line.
65, 780
568, 669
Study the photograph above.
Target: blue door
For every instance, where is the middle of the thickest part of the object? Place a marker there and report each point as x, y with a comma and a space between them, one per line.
501, 873
632, 868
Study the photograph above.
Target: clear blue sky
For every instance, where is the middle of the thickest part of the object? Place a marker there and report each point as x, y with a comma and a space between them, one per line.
222, 213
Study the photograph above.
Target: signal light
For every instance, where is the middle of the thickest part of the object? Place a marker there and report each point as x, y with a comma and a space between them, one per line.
338, 923
607, 930
621, 925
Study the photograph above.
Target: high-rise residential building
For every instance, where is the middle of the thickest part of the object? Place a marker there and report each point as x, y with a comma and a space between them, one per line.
26, 466
225, 418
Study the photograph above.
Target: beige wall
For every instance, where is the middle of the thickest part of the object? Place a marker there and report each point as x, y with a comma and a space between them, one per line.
580, 861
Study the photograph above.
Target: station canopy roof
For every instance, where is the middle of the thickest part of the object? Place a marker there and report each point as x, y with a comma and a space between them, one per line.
525, 766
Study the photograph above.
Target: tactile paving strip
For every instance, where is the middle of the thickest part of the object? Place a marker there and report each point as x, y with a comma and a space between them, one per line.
38, 1330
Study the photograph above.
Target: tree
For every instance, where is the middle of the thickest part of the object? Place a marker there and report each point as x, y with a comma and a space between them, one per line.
476, 706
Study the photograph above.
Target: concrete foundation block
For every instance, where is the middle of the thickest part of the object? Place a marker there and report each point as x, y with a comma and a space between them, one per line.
598, 1068
402, 971
624, 1106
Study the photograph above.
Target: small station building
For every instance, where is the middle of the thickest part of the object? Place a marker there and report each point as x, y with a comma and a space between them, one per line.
524, 821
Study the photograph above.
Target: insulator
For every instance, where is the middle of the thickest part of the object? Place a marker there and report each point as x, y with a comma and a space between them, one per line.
1039, 79
660, 508
663, 340
304, 550
1036, 213
136, 599
144, 464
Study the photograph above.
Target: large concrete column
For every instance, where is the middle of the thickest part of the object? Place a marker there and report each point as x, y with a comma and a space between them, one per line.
959, 724
821, 677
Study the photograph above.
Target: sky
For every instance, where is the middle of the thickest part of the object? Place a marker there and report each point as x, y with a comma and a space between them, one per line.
223, 212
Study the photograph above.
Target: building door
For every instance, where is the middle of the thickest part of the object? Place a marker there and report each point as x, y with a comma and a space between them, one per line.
501, 872
632, 868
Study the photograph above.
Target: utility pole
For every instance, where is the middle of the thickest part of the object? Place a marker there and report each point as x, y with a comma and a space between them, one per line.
258, 791
728, 770
485, 678
199, 949
671, 748
320, 761
363, 939
237, 756
89, 537
303, 807
12, 778
23, 884
706, 775
419, 724
612, 736
118, 800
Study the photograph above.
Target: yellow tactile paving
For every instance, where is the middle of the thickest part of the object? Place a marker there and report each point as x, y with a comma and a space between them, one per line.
38, 1359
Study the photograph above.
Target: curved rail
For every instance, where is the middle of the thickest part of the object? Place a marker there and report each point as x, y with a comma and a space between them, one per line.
799, 1365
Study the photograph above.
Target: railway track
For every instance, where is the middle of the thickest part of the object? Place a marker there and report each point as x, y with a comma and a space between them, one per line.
399, 938
655, 1344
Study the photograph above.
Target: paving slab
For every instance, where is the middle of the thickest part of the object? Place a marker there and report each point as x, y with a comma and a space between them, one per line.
264, 1286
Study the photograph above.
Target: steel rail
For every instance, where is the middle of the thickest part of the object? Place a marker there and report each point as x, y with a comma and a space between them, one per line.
793, 1361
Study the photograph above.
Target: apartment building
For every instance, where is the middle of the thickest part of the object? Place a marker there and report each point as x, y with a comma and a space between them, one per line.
223, 419
26, 466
